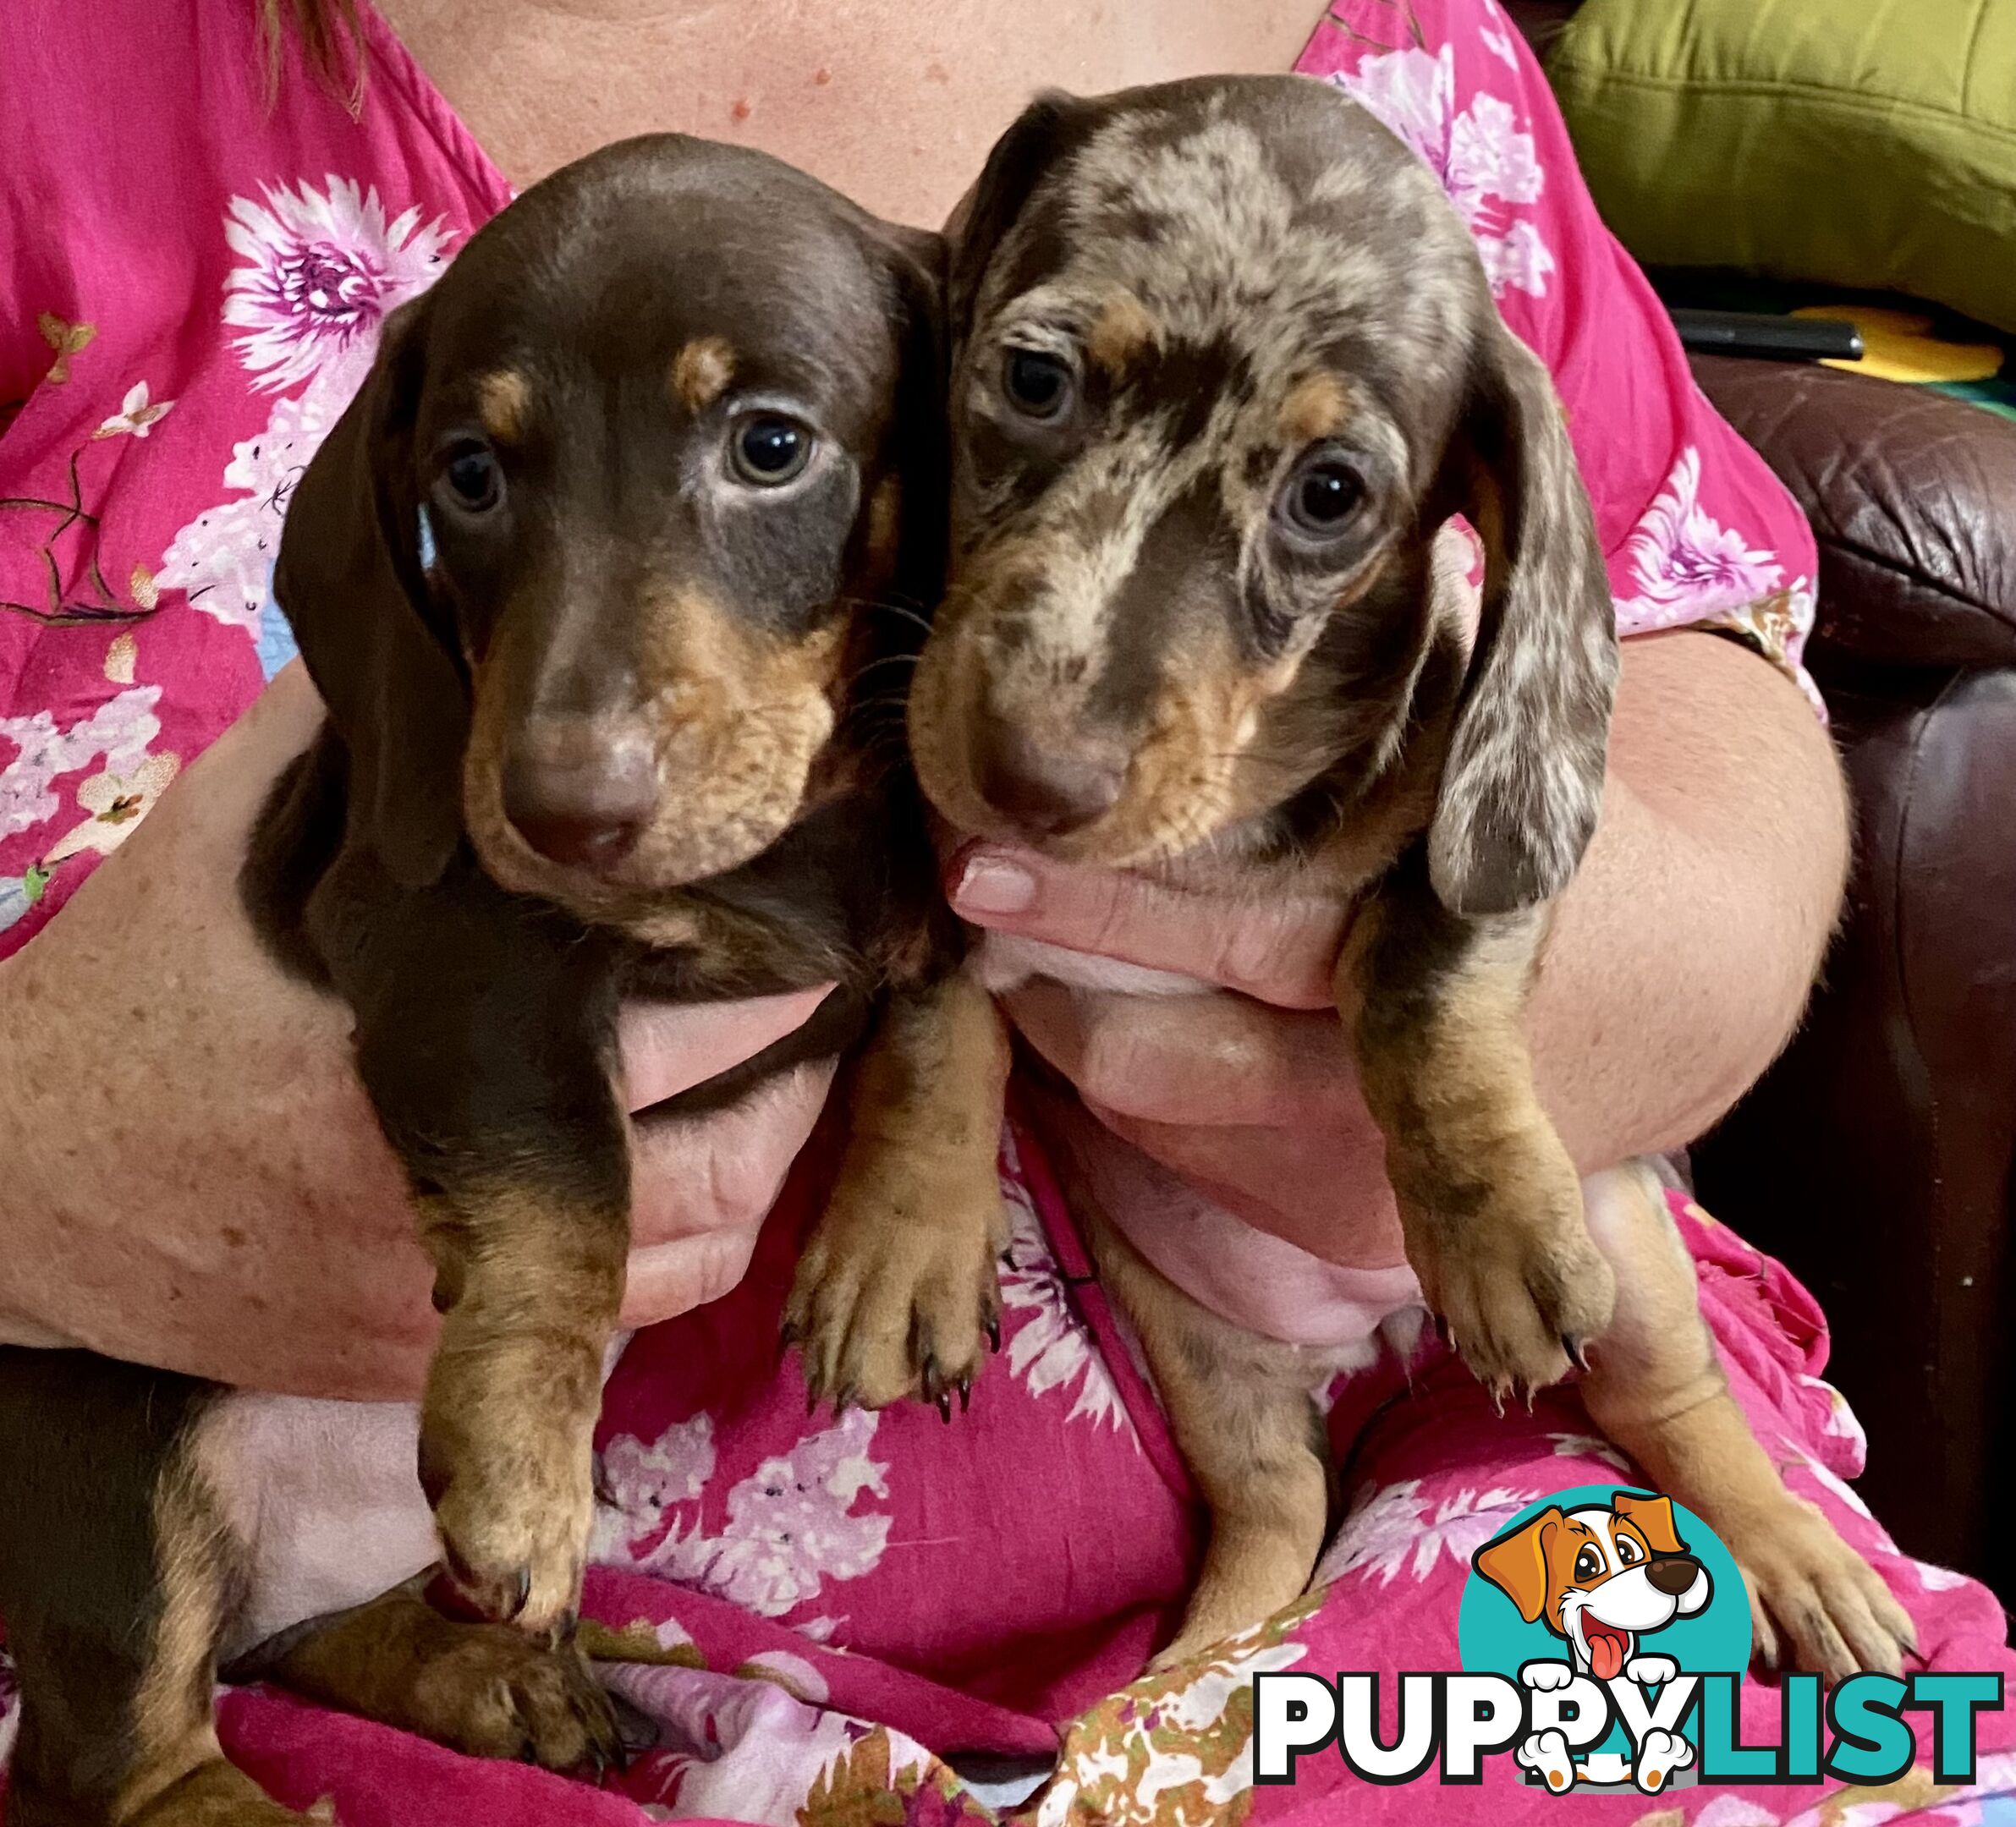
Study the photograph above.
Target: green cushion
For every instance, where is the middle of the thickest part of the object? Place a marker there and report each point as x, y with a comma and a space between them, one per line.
1865, 143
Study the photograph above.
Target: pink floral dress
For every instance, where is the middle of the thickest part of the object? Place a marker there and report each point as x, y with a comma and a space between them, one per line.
871, 1618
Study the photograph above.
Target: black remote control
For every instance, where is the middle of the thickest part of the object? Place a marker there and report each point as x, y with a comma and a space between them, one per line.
1778, 339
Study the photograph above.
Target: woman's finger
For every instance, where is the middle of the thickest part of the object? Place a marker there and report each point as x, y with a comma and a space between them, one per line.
669, 1279
690, 1176
1281, 951
669, 1047
1212, 1060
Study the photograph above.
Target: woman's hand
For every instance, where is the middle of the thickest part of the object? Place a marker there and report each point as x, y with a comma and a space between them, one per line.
193, 1176
1249, 1096
1678, 963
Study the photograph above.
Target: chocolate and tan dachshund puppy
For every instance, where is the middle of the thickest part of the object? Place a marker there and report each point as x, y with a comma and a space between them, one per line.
597, 577
1225, 359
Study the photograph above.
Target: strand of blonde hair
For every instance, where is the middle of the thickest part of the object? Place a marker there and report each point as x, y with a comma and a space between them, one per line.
332, 38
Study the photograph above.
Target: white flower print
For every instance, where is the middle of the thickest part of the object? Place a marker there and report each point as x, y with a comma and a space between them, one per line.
224, 558
1396, 1526
1733, 1811
322, 269
640, 1481
1498, 42
739, 1748
1589, 1446
1485, 162
1841, 1421
136, 415
1050, 1349
117, 802
120, 729
791, 1524
1132, 1779
1938, 1578
1686, 565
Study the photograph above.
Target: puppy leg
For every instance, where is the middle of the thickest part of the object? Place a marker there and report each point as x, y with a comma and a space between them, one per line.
486, 1690
1655, 1387
1240, 1411
1489, 1202
118, 1573
898, 1289
485, 1036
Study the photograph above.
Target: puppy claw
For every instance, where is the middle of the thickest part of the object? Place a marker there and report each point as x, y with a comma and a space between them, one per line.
966, 1402
943, 1405
897, 1287
1576, 1349
992, 1325
1815, 1603
1516, 1276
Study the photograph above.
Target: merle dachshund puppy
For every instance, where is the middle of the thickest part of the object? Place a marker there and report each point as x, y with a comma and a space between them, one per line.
592, 577
1225, 362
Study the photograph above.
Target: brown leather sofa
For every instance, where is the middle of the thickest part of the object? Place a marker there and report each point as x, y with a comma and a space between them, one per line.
1878, 1156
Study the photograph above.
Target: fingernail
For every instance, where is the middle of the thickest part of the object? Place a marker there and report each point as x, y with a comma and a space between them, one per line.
989, 885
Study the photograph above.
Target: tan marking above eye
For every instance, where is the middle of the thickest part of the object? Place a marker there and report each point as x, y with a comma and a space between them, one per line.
1122, 331
504, 402
1316, 407
700, 371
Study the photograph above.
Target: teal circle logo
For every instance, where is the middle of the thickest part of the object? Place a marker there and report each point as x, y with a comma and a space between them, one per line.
1609, 1581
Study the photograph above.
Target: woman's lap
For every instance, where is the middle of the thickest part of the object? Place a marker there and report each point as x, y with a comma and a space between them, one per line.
818, 1612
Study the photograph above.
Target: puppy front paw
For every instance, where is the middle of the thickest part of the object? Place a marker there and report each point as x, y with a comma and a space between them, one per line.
1506, 1261
899, 1291
1813, 1594
1651, 1671
1545, 1677
512, 1484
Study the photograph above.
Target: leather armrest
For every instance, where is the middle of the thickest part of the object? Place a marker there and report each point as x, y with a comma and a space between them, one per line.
1912, 495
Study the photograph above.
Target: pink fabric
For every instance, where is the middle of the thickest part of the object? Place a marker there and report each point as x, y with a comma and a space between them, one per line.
817, 1612
835, 1607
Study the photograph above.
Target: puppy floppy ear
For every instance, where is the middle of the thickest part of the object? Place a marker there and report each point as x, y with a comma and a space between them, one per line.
1524, 780
381, 654
1653, 1518
1050, 128
1517, 1564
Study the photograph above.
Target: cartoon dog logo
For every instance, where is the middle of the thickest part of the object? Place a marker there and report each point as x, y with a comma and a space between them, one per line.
1601, 1579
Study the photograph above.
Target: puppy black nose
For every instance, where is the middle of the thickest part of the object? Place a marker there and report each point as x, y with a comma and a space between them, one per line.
1045, 791
581, 797
1672, 1574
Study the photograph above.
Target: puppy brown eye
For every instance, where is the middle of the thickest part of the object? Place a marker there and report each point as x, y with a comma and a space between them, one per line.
473, 481
1588, 1564
1322, 498
1037, 385
767, 449
1627, 1550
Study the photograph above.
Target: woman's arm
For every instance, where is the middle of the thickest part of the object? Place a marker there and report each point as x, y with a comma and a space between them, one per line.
1679, 963
190, 1173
